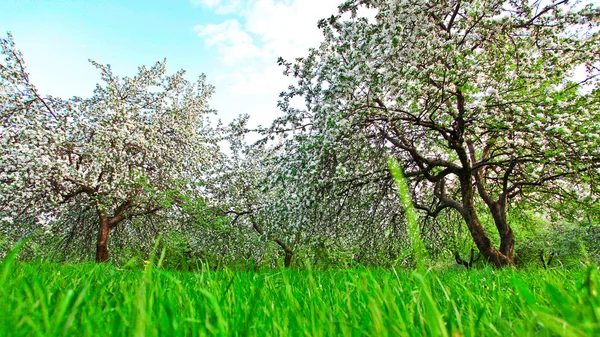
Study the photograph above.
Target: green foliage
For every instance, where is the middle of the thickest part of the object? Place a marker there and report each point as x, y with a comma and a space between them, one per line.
567, 244
93, 300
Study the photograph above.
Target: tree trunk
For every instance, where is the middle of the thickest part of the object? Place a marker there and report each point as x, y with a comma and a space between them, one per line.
108, 223
102, 242
482, 241
288, 252
507, 236
288, 259
507, 245
480, 237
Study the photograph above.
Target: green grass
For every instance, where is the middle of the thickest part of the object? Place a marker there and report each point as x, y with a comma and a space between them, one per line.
101, 300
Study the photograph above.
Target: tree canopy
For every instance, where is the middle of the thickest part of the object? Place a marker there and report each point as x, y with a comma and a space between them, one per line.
120, 151
480, 101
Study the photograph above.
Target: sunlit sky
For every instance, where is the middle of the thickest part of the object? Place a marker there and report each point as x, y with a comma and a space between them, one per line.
234, 42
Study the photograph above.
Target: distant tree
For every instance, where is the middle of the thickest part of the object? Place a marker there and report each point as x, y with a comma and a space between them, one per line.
329, 205
133, 148
483, 102
238, 191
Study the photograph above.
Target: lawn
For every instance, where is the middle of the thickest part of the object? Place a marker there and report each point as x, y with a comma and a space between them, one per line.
44, 299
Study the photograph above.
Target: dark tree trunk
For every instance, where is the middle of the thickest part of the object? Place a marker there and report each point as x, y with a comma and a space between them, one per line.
107, 223
482, 241
507, 242
507, 236
288, 258
102, 242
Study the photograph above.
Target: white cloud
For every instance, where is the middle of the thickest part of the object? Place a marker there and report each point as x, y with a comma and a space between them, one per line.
281, 28
226, 7
208, 3
232, 43
227, 32
250, 46
288, 30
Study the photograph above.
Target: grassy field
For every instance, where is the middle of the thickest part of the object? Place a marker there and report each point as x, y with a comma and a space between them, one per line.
102, 300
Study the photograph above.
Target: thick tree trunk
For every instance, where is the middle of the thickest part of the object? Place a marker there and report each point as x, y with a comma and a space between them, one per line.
507, 244
102, 241
107, 223
482, 241
507, 236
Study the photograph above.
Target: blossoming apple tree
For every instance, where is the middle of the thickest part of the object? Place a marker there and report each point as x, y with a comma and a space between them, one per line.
482, 102
133, 148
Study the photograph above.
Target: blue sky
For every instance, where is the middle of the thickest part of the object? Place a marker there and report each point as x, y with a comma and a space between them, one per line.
234, 42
